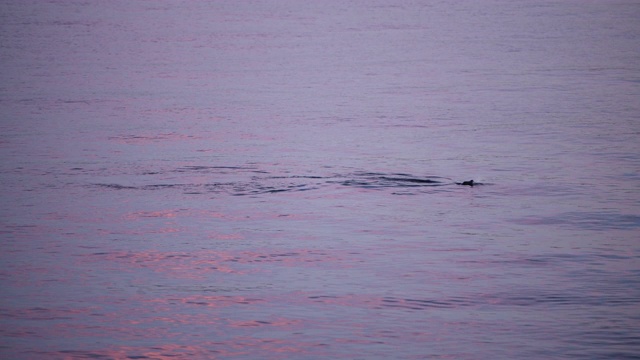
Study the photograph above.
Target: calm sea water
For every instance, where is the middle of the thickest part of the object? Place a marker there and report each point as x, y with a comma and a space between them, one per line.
276, 179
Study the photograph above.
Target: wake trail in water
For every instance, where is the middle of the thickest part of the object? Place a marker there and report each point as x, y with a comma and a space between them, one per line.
407, 184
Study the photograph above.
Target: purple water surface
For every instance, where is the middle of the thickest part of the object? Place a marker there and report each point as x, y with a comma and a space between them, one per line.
277, 180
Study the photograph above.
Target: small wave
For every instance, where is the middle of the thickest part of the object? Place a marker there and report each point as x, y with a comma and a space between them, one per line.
261, 189
381, 180
142, 187
217, 169
423, 304
396, 303
116, 186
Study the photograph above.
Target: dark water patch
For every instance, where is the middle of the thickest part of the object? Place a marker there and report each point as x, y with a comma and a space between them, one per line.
18, 228
117, 186
160, 186
259, 189
79, 354
372, 180
142, 139
141, 187
273, 190
40, 313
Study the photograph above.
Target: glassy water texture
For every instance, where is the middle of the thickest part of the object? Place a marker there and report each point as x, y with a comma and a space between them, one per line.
277, 180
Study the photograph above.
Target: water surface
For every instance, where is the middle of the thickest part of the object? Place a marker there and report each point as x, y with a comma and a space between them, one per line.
277, 180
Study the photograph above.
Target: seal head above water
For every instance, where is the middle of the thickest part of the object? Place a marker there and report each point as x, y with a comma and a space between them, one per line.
468, 183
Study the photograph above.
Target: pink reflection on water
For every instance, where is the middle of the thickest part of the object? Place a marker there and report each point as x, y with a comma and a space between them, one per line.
164, 230
219, 236
211, 301
175, 214
179, 264
119, 330
197, 264
151, 214
262, 348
